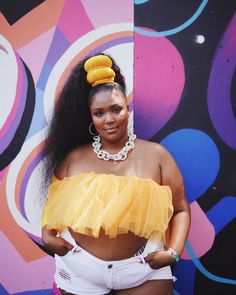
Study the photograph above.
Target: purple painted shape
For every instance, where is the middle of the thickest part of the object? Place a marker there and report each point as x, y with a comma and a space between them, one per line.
58, 46
3, 48
74, 21
111, 43
20, 275
34, 238
158, 83
25, 181
21, 93
219, 102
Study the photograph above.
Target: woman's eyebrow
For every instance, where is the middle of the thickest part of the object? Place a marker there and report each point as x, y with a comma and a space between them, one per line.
110, 106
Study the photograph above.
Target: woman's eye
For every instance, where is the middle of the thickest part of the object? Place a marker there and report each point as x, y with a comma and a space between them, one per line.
116, 110
98, 114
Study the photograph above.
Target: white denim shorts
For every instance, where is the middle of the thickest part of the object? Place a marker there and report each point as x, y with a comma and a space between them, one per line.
81, 273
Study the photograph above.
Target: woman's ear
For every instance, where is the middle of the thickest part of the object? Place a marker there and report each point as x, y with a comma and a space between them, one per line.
127, 107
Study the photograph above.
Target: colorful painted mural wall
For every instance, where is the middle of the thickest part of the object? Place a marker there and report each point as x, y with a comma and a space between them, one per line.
185, 84
40, 42
184, 97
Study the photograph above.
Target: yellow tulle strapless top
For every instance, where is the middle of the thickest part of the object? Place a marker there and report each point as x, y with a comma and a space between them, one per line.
118, 204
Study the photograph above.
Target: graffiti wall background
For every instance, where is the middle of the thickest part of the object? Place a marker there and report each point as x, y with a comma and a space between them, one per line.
184, 83
40, 42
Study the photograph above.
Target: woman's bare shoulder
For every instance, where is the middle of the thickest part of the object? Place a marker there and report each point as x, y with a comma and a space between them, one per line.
156, 149
78, 152
73, 156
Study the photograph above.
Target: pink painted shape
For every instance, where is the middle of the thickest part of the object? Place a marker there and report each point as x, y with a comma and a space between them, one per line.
2, 173
109, 12
17, 276
35, 53
55, 290
202, 233
158, 83
74, 21
17, 99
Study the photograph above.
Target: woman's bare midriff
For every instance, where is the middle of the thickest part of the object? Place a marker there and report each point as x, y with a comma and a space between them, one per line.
105, 248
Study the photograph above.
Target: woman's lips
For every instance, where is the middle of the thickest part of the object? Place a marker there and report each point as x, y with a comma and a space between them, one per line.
111, 130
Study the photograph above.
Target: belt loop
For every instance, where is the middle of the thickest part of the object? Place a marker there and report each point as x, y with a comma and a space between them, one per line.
76, 249
141, 259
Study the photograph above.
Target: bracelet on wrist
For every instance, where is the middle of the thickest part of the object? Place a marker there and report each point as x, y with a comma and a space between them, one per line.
174, 254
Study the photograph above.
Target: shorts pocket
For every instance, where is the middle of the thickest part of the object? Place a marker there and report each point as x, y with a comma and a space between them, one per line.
149, 266
73, 251
65, 255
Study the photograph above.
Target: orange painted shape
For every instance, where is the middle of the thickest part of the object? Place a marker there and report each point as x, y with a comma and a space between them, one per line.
28, 250
31, 25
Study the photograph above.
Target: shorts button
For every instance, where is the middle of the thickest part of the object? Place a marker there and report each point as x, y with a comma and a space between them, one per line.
109, 265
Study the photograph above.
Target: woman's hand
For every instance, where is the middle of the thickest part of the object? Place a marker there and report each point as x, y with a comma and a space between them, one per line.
158, 259
55, 244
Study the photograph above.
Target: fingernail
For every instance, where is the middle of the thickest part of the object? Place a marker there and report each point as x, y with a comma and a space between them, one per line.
152, 253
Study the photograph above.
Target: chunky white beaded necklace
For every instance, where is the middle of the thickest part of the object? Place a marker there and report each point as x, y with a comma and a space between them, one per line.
120, 156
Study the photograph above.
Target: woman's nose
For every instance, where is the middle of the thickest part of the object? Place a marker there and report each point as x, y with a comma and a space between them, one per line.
109, 118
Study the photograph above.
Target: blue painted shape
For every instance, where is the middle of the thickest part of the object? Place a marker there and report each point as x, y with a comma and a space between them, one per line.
222, 213
43, 78
36, 292
204, 271
176, 293
38, 120
185, 271
197, 157
3, 291
140, 1
177, 29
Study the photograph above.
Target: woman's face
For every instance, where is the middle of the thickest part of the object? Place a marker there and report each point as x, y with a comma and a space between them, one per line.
109, 113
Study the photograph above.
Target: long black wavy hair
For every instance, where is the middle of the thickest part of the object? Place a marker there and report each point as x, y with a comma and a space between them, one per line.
71, 118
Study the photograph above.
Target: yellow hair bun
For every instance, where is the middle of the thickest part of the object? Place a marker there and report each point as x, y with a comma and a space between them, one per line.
99, 70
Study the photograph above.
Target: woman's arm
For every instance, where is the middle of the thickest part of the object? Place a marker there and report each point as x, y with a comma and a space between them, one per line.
180, 221
50, 238
54, 243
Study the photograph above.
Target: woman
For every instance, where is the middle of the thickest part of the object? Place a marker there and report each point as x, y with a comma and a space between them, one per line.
116, 216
